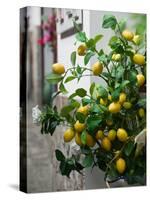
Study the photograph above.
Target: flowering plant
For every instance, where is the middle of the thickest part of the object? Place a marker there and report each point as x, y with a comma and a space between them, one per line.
108, 124
49, 28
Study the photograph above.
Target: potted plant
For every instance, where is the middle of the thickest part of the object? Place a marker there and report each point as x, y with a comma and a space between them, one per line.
108, 124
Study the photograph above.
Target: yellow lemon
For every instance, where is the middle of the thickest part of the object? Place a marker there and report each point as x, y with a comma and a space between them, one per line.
122, 134
58, 68
136, 39
106, 144
128, 35
109, 122
121, 165
78, 139
83, 109
140, 79
69, 135
79, 127
141, 112
112, 135
116, 57
127, 105
99, 135
97, 68
109, 97
139, 59
114, 107
90, 140
122, 98
103, 102
82, 50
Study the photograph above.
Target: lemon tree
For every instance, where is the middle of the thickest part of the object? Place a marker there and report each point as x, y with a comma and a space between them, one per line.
107, 123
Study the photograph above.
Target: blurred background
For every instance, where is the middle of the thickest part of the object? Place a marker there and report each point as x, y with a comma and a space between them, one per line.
47, 36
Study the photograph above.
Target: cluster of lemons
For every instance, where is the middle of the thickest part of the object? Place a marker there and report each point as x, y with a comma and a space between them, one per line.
120, 134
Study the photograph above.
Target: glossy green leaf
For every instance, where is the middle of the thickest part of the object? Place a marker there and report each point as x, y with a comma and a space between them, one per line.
87, 57
54, 78
109, 21
73, 58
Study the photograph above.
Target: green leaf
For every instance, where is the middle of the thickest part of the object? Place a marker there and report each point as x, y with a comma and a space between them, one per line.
132, 76
103, 58
116, 93
97, 38
79, 69
124, 84
109, 21
85, 101
81, 36
87, 57
81, 92
120, 72
90, 43
128, 148
141, 102
122, 24
102, 92
112, 42
88, 160
70, 78
62, 88
92, 88
93, 123
67, 109
73, 58
81, 117
83, 137
59, 155
54, 78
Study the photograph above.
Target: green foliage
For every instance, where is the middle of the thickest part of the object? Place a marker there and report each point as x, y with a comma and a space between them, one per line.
87, 57
67, 165
54, 78
50, 119
93, 122
119, 76
73, 58
109, 21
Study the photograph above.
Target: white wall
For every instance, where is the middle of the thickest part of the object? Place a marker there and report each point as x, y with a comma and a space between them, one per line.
65, 48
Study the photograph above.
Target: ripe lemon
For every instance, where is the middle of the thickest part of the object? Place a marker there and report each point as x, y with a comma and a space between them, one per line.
109, 97
140, 79
99, 135
127, 105
106, 144
69, 135
112, 135
82, 50
122, 98
78, 139
97, 68
128, 35
139, 59
58, 68
79, 127
141, 112
114, 107
136, 39
90, 140
83, 109
109, 122
116, 57
121, 165
103, 102
122, 134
